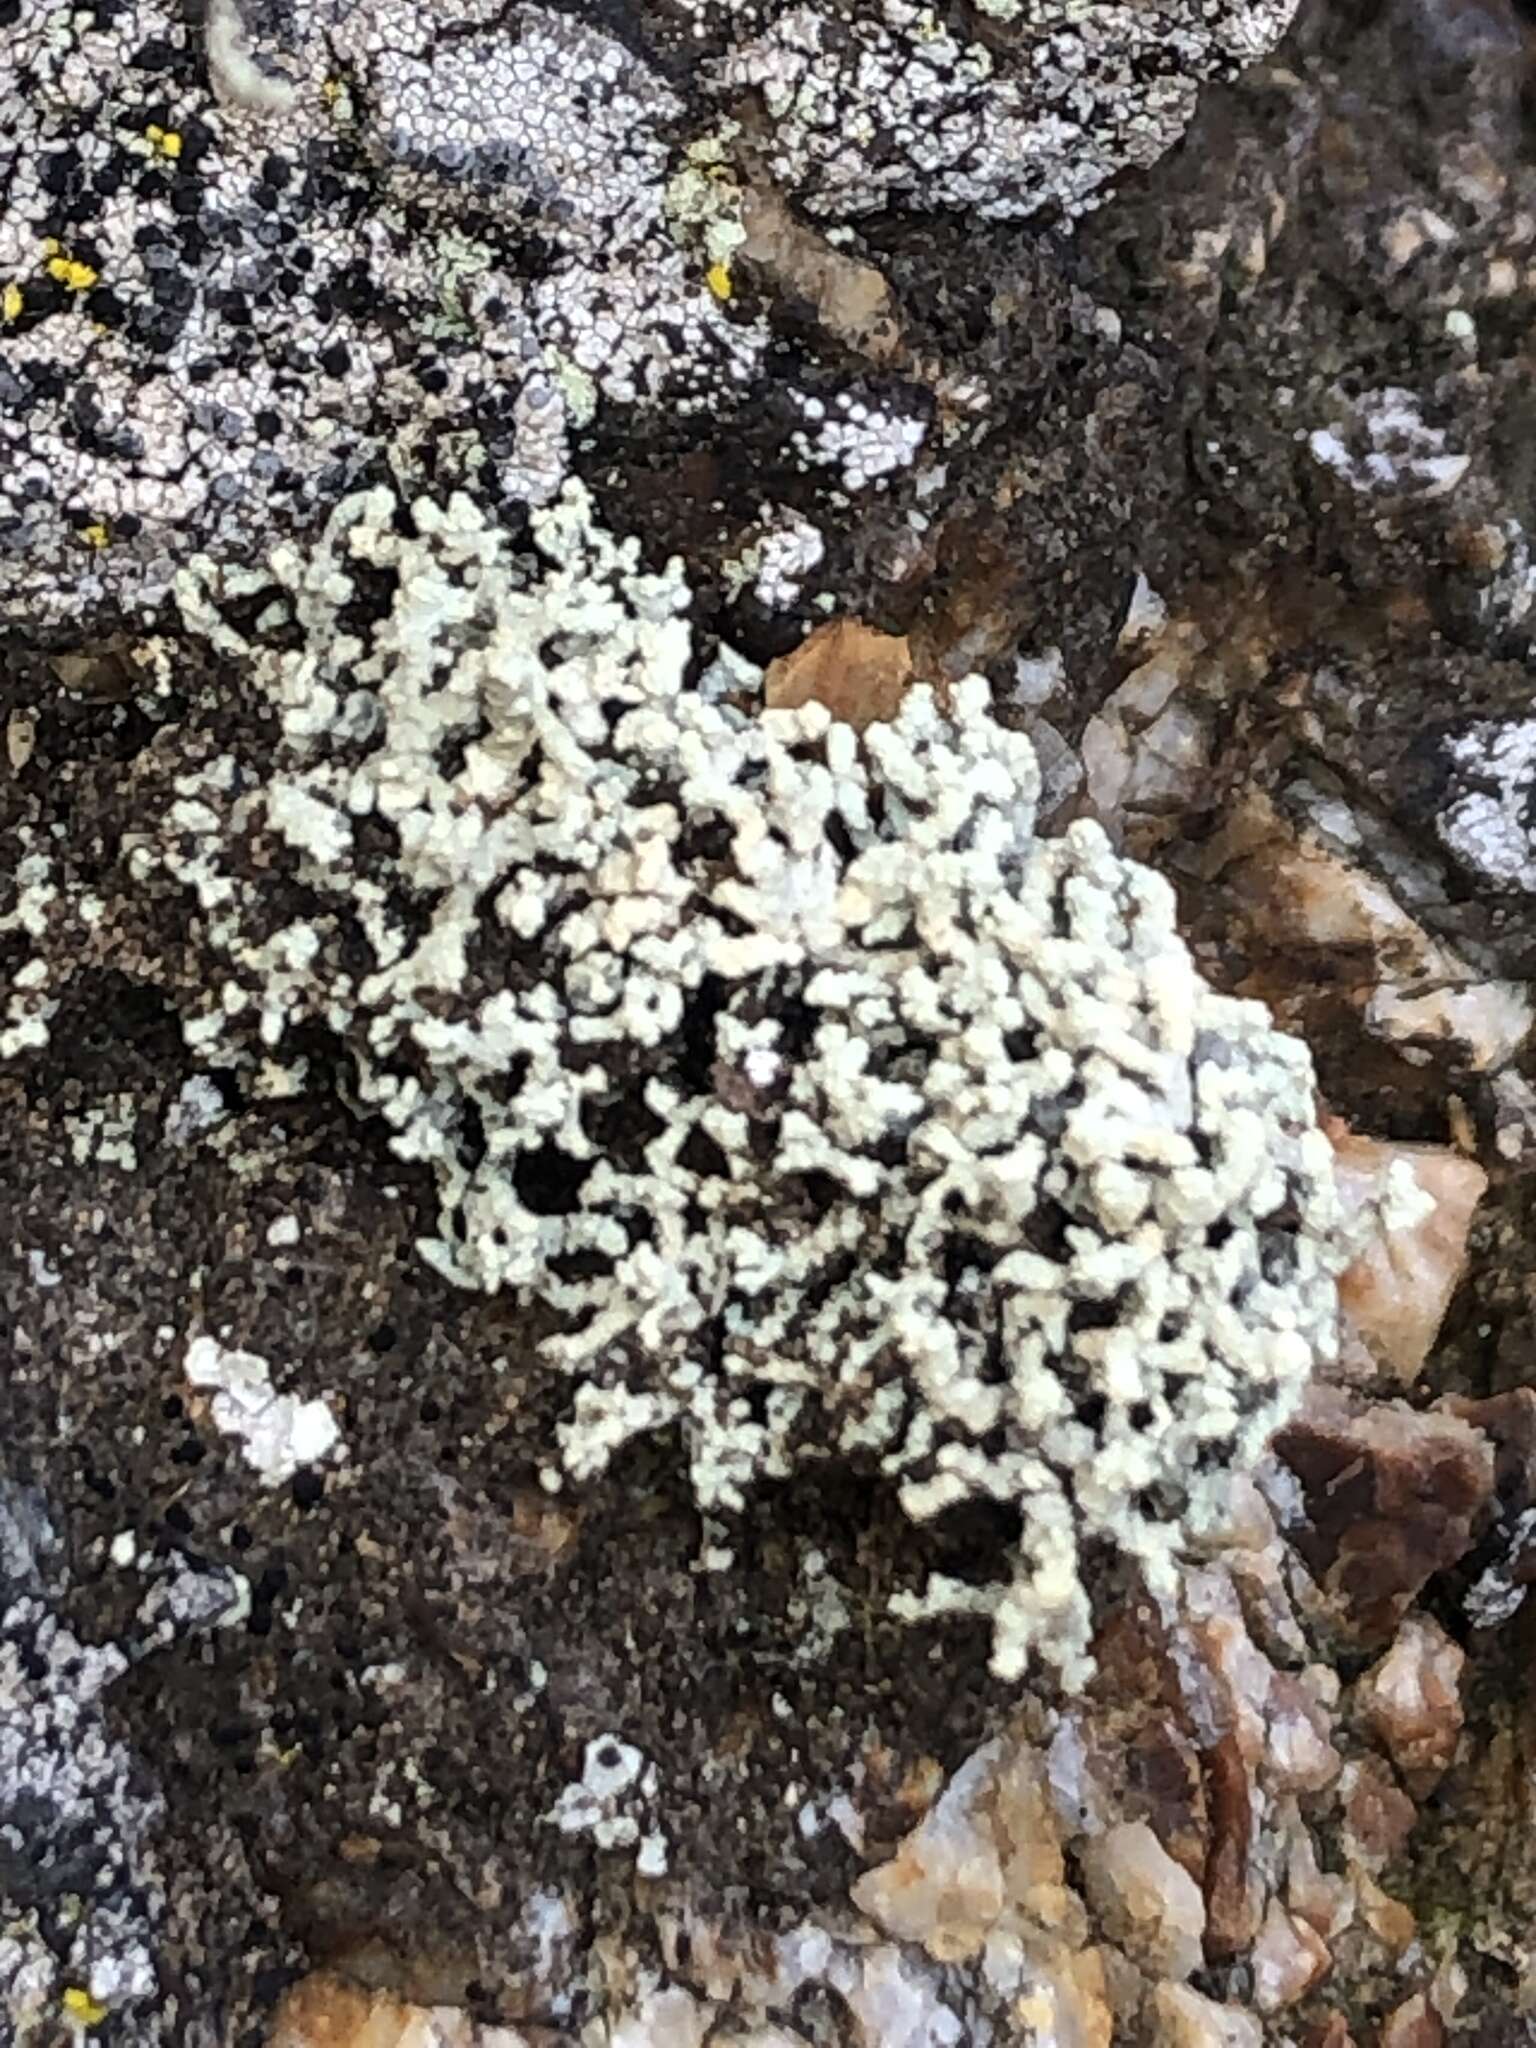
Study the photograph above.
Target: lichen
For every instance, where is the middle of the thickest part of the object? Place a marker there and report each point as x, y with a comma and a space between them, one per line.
90, 1902
232, 258
825, 1108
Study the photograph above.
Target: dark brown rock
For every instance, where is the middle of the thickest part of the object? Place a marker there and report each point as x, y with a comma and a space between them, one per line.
1508, 1420
1392, 1496
1230, 1907
1378, 1815
1152, 1757
1331, 2031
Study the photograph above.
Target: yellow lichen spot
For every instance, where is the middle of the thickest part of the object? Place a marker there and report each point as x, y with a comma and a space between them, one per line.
332, 91
718, 278
166, 140
82, 2008
75, 277
95, 536
11, 301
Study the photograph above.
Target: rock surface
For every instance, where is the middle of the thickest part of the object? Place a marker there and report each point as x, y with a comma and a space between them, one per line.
1178, 382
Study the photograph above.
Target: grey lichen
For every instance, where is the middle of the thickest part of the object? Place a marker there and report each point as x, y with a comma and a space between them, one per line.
895, 103
824, 1107
81, 1901
232, 258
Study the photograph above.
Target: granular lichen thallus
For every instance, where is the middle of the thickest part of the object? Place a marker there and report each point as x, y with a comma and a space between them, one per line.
826, 1108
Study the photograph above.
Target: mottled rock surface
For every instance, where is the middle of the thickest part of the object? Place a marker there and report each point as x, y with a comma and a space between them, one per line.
1202, 429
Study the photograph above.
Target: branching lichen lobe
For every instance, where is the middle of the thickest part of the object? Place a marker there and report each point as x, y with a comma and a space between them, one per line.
826, 1107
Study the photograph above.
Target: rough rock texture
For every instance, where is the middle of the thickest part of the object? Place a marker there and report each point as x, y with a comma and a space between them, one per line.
1225, 486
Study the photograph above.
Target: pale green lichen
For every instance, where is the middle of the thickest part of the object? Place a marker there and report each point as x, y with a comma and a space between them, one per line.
826, 1109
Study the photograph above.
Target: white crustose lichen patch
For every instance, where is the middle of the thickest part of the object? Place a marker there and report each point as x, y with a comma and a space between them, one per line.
1383, 447
827, 1109
278, 1434
612, 1802
873, 106
1488, 818
357, 229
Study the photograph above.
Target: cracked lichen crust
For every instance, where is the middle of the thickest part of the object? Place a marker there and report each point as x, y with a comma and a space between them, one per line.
87, 1913
242, 261
887, 104
80, 1900
816, 1103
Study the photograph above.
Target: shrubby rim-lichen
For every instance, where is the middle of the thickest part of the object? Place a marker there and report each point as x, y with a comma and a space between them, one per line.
821, 1106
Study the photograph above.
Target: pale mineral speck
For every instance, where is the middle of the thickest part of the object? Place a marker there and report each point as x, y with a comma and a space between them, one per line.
198, 1107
